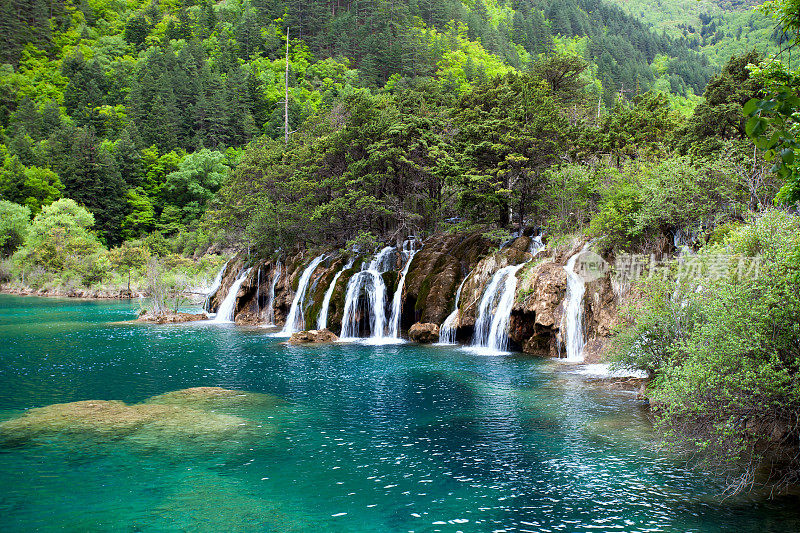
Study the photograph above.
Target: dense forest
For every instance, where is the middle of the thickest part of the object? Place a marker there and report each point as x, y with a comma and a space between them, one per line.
138, 110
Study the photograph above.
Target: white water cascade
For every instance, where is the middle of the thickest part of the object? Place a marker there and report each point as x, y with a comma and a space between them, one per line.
215, 285
271, 296
447, 332
322, 319
494, 312
258, 292
296, 321
369, 280
409, 251
227, 308
572, 319
537, 245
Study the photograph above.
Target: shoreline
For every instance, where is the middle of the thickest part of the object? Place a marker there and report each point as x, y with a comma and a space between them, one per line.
83, 293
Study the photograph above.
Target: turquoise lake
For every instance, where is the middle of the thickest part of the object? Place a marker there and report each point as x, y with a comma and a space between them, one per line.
350, 438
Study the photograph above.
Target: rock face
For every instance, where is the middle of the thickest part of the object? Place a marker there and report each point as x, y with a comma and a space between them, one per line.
95, 294
424, 333
314, 336
538, 309
436, 273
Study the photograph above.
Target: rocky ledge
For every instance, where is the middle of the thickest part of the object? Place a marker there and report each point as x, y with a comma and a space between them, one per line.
172, 318
100, 294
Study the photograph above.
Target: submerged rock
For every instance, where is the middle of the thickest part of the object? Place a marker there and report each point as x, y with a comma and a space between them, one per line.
314, 336
215, 398
173, 419
424, 333
112, 420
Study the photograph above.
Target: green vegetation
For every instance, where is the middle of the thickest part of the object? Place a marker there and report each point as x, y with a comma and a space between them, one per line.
723, 348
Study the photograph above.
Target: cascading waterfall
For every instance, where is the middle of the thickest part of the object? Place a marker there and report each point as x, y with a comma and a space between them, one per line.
258, 292
215, 285
572, 319
494, 312
271, 296
369, 280
295, 321
409, 251
227, 308
447, 332
322, 319
537, 245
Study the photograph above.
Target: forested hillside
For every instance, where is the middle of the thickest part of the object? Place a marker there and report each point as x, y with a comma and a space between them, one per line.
717, 28
401, 113
101, 101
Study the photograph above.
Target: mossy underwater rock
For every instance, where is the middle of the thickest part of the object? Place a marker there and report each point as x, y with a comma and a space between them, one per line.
210, 398
177, 418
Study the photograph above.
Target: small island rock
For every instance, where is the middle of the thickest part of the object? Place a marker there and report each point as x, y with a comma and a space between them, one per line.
314, 336
424, 333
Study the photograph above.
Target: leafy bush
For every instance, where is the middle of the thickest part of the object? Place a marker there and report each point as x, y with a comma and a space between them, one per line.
648, 200
569, 198
726, 352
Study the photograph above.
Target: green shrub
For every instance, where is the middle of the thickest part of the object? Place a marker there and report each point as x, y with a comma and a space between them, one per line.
725, 352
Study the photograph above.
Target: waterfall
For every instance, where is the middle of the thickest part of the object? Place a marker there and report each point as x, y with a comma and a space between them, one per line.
227, 308
215, 285
369, 280
537, 245
322, 319
494, 312
572, 319
409, 252
271, 296
296, 321
447, 333
258, 292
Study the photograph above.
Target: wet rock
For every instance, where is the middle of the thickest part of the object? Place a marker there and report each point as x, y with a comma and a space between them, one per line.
314, 336
175, 422
436, 272
542, 290
426, 333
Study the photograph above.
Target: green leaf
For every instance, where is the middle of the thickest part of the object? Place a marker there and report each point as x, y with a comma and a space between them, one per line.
787, 155
750, 107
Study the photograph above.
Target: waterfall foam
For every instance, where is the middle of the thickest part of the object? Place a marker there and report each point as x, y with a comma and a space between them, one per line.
215, 285
537, 245
572, 319
447, 332
494, 311
295, 321
276, 276
227, 308
409, 251
322, 319
370, 282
